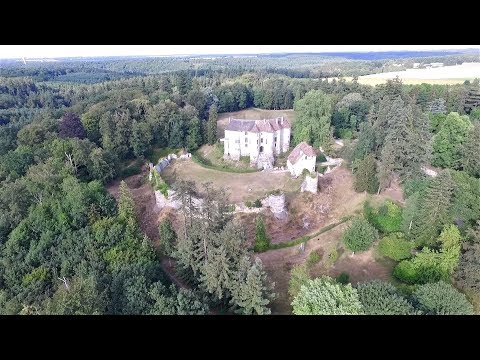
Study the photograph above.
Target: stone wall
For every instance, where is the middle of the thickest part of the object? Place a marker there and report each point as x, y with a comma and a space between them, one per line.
277, 206
310, 184
170, 201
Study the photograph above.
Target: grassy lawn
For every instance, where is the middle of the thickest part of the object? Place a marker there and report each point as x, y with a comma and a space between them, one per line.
240, 186
211, 157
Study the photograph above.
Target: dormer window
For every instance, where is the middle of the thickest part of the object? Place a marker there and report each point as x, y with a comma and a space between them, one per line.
245, 133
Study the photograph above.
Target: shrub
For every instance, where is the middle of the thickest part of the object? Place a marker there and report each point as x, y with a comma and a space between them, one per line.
343, 278
262, 242
395, 247
298, 276
313, 258
321, 169
321, 157
431, 265
305, 172
333, 256
382, 298
163, 188
324, 296
345, 133
406, 272
248, 203
257, 203
387, 219
360, 235
442, 299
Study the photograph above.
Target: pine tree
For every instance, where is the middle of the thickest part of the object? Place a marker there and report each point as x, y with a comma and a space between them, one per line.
366, 175
126, 205
470, 153
168, 237
366, 141
442, 298
403, 134
194, 138
262, 242
252, 292
437, 106
212, 125
382, 298
386, 166
434, 210
217, 272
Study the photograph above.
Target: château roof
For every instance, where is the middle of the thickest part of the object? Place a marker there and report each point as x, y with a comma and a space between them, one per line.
265, 125
301, 149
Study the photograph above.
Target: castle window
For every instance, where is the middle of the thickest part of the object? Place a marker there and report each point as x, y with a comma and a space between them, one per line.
305, 157
245, 133
261, 140
257, 141
246, 139
246, 145
237, 141
265, 141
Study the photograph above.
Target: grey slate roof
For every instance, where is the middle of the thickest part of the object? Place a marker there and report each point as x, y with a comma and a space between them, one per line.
266, 125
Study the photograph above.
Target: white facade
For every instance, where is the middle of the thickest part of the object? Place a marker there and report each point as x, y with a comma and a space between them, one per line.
305, 162
302, 157
254, 137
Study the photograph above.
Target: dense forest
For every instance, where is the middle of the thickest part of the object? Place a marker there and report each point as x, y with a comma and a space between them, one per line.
68, 129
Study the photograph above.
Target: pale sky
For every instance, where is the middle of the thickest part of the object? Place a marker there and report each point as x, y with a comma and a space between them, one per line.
52, 51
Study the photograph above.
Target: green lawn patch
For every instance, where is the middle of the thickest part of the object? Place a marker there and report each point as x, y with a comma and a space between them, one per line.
200, 160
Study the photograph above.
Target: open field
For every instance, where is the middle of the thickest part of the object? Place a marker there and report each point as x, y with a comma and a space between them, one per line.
253, 114
241, 187
455, 74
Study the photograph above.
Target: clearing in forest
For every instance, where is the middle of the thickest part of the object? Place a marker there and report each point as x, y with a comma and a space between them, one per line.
240, 186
